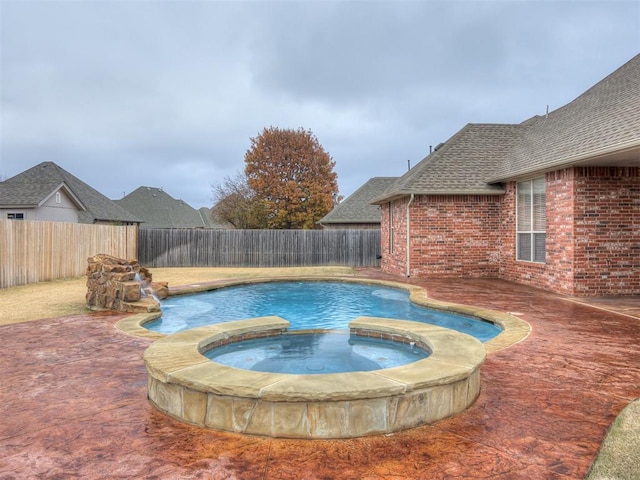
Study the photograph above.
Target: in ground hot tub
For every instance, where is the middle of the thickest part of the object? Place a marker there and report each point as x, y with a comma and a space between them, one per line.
188, 386
302, 352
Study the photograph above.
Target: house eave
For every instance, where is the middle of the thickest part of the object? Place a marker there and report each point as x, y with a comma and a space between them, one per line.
406, 193
626, 154
348, 222
18, 206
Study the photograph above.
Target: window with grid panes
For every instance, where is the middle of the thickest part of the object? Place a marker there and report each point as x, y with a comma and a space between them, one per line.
531, 220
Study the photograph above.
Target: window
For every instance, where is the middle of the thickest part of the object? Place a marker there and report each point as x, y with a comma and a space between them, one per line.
58, 197
531, 220
15, 216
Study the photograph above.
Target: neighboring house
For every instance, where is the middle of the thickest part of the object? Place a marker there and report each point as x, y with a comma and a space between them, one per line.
553, 202
356, 211
207, 216
157, 209
49, 193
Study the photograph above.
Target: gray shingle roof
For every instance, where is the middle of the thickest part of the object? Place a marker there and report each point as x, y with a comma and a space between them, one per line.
31, 187
603, 120
460, 165
158, 209
25, 195
205, 214
357, 207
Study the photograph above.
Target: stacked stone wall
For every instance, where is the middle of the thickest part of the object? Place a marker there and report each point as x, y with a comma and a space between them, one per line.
122, 285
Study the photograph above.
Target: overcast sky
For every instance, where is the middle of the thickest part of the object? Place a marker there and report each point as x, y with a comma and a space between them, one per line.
163, 93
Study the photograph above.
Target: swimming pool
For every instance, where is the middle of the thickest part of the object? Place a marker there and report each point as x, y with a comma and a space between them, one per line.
307, 305
315, 353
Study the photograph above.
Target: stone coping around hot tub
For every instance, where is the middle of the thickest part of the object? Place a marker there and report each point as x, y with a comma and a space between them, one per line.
188, 386
514, 329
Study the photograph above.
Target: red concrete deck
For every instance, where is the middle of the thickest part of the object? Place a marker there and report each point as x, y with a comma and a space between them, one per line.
73, 405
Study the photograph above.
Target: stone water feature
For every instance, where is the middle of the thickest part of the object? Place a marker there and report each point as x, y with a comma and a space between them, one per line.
122, 285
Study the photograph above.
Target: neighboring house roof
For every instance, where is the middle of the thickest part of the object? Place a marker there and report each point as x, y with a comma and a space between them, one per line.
357, 207
34, 186
205, 213
24, 195
158, 209
600, 127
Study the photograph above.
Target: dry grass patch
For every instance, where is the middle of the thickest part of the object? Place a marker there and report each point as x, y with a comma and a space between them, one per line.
619, 457
186, 276
65, 297
36, 301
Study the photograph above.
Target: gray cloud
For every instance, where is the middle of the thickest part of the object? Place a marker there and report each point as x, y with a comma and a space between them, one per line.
168, 93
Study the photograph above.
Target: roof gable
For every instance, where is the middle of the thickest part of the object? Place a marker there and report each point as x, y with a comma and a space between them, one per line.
63, 188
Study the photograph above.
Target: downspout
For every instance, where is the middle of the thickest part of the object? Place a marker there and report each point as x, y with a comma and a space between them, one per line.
408, 253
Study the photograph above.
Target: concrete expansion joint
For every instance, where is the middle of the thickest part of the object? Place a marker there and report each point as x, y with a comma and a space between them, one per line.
380, 373
262, 392
171, 377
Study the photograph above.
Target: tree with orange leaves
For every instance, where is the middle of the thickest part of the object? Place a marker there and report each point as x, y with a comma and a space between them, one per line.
292, 177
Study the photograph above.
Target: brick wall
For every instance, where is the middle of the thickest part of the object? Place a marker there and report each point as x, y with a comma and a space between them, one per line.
556, 274
394, 259
607, 231
455, 235
593, 234
451, 236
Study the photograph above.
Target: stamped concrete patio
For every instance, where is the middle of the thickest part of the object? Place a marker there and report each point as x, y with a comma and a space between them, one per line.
73, 404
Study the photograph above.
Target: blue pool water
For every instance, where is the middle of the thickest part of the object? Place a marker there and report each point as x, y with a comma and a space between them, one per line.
314, 353
307, 305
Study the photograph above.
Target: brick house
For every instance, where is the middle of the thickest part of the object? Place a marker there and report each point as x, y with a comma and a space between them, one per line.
553, 202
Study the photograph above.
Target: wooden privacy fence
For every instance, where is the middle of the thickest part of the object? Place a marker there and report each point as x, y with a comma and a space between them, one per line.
39, 251
163, 247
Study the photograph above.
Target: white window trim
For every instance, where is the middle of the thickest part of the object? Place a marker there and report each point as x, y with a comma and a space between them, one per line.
531, 232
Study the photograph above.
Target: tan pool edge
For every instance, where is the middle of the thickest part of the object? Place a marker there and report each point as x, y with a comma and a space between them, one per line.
188, 386
514, 329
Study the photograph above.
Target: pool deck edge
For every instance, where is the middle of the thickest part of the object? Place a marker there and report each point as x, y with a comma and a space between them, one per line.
514, 329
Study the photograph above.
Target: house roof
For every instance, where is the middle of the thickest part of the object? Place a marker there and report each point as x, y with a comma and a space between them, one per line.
32, 187
357, 207
205, 213
600, 127
21, 195
158, 209
460, 165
